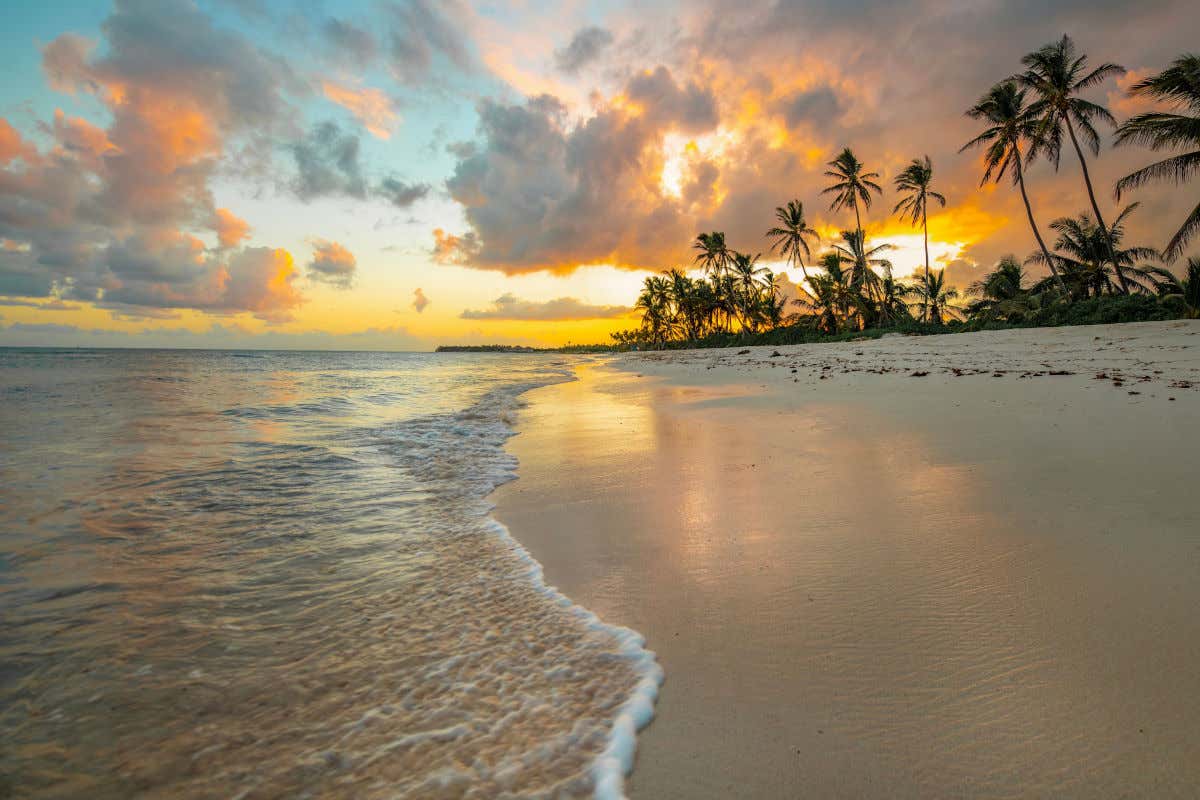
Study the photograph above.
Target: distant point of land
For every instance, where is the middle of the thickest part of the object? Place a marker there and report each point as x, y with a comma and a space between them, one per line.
512, 348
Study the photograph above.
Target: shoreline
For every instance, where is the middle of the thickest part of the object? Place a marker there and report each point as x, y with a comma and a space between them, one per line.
981, 619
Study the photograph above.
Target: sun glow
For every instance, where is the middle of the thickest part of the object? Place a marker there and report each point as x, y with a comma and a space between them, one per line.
677, 151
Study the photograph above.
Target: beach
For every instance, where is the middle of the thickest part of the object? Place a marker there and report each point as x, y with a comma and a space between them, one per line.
944, 566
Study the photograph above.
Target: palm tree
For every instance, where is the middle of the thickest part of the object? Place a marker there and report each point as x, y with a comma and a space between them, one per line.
1057, 75
1000, 292
1178, 85
831, 296
714, 256
893, 294
915, 183
773, 302
792, 234
864, 281
1187, 289
934, 292
683, 296
654, 301
1083, 255
745, 273
1003, 107
853, 185
862, 260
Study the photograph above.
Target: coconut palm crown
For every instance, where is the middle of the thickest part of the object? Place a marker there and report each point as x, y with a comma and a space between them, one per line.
790, 237
1179, 87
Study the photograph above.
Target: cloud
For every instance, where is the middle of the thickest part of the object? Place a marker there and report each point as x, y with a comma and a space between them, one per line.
13, 147
374, 109
819, 106
401, 194
76, 138
688, 107
230, 228
451, 249
111, 214
327, 164
540, 194
510, 307
420, 34
177, 273
332, 264
420, 301
349, 43
48, 305
585, 47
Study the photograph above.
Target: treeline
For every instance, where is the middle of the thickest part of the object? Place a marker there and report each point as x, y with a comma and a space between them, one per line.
1094, 275
510, 348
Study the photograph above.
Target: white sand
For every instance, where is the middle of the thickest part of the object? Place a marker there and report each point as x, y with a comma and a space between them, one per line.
878, 585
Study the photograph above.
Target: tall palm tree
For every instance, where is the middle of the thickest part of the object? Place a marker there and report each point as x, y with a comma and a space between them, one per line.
1057, 74
915, 184
1179, 86
713, 255
1003, 109
853, 185
790, 237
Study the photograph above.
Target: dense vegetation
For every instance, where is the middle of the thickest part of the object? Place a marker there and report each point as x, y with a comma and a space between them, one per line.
1094, 275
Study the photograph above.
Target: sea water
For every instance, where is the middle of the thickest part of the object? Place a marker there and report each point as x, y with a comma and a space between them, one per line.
262, 574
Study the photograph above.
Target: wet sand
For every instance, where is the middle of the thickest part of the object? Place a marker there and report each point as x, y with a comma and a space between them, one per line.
977, 582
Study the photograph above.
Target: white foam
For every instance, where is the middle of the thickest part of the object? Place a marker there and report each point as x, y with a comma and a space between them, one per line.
616, 760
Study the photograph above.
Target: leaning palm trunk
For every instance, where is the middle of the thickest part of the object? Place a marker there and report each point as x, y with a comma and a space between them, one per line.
1087, 180
1033, 224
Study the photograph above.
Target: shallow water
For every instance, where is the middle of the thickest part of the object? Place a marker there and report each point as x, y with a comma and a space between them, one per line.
263, 574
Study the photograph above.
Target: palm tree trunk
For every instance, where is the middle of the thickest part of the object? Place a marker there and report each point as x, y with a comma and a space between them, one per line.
1087, 180
1033, 224
858, 222
925, 225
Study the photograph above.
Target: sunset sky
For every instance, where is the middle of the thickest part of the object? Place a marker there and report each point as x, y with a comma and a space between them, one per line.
396, 175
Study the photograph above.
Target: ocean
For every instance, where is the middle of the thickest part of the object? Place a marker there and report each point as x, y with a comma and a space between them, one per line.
264, 574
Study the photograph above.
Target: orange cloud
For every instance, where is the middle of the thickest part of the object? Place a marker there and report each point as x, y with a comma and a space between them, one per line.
451, 249
374, 109
12, 146
81, 139
332, 263
230, 228
262, 280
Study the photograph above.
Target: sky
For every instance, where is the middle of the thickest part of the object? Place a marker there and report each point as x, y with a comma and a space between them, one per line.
398, 174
